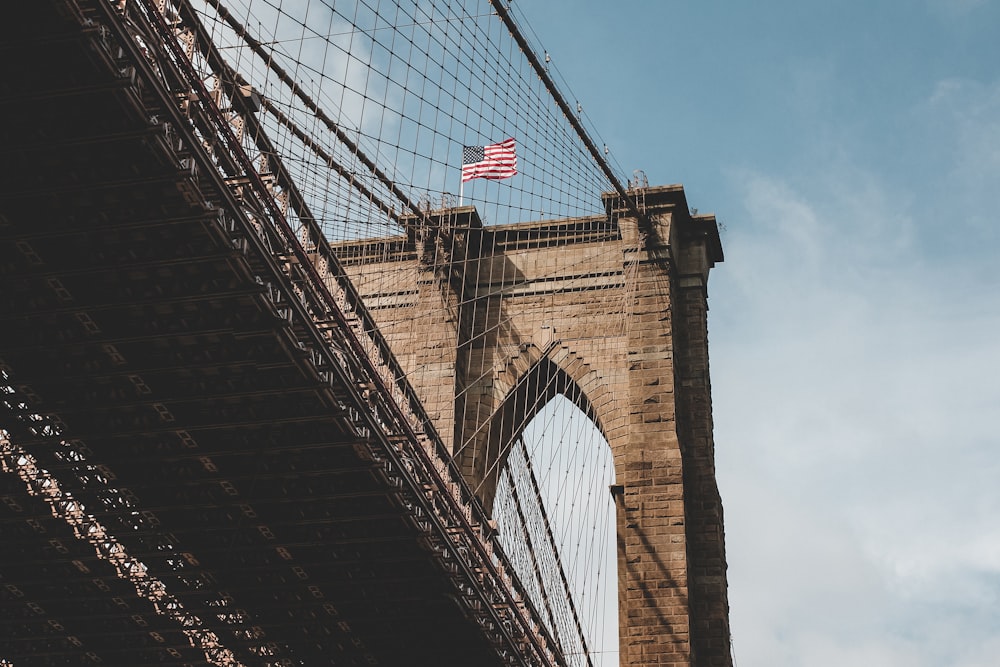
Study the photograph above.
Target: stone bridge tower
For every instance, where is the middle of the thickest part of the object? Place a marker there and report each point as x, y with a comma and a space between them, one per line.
489, 323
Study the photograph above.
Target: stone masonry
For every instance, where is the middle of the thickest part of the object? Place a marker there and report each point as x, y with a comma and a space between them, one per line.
490, 323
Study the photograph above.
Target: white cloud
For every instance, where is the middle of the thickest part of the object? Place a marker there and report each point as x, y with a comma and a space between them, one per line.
854, 386
967, 113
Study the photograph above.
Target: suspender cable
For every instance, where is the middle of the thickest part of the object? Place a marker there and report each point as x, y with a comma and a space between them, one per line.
232, 79
330, 162
555, 549
285, 78
513, 620
550, 85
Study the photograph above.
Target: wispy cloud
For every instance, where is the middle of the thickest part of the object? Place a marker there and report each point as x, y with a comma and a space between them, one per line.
854, 373
967, 113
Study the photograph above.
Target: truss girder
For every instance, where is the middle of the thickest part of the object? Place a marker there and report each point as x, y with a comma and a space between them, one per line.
174, 376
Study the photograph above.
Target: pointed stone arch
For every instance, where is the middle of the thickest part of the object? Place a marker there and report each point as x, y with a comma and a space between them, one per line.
540, 376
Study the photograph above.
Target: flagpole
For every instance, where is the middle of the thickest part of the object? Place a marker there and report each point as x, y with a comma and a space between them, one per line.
461, 190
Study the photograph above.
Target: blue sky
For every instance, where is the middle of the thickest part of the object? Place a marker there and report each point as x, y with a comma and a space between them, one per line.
852, 151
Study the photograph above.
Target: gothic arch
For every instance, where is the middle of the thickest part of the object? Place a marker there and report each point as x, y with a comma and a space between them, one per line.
484, 451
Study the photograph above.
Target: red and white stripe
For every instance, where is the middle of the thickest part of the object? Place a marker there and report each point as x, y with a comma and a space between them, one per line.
499, 161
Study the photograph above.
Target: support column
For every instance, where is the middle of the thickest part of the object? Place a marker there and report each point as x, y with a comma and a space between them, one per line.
696, 252
653, 566
672, 586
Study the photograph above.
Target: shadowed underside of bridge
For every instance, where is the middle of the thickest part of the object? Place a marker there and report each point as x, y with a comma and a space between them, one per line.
156, 377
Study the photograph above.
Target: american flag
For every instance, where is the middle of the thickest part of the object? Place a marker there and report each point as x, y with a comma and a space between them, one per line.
495, 161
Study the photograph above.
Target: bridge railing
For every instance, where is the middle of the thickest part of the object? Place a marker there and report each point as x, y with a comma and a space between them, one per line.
261, 210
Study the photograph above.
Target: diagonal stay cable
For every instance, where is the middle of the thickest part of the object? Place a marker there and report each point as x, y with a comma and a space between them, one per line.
232, 79
533, 556
506, 613
343, 172
296, 89
229, 76
529, 53
555, 549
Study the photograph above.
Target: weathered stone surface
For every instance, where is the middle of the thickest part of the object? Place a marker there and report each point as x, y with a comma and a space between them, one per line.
490, 323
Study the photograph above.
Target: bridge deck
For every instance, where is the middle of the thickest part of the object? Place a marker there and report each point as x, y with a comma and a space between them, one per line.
185, 418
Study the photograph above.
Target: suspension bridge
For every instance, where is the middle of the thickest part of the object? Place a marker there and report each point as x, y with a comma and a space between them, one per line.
284, 384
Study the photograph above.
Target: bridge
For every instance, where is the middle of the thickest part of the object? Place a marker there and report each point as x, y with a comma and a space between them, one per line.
266, 402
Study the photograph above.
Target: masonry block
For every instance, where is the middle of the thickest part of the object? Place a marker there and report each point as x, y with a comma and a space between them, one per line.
610, 311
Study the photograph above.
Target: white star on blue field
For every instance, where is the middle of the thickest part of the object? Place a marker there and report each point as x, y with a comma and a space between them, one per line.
852, 151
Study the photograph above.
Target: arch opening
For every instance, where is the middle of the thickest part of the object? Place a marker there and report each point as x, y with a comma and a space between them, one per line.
556, 521
489, 441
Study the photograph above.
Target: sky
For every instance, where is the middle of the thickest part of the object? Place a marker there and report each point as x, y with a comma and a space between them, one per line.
851, 151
